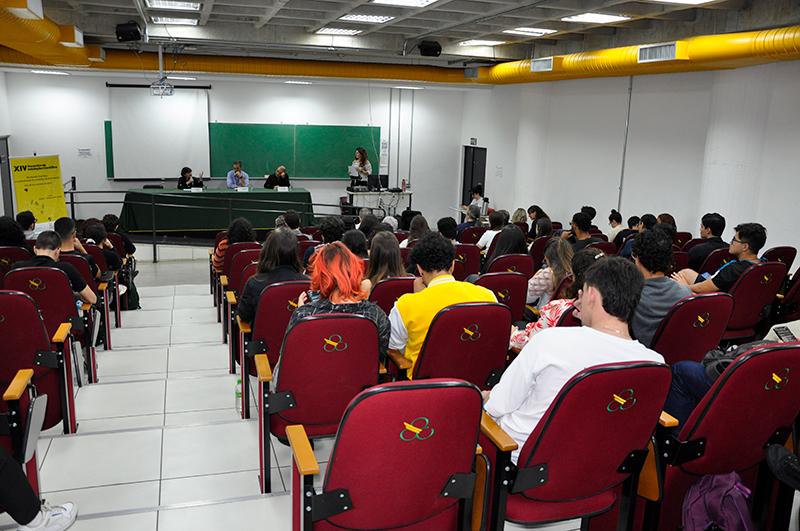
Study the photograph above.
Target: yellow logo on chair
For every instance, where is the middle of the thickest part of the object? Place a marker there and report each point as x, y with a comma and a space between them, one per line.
36, 284
334, 343
471, 333
512, 269
5, 261
622, 401
767, 279
412, 431
292, 305
503, 294
702, 320
778, 381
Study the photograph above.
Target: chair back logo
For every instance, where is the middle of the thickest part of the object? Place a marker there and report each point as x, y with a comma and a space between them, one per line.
36, 284
462, 257
702, 320
622, 401
5, 261
292, 305
767, 279
470, 333
503, 294
334, 344
512, 269
778, 381
417, 430
2, 318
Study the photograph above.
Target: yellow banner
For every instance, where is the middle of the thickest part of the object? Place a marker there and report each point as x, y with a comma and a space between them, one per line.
37, 184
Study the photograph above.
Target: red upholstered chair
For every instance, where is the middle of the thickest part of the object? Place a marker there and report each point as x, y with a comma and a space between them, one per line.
787, 311
510, 289
561, 289
471, 256
523, 227
111, 293
512, 263
275, 308
784, 254
625, 242
26, 345
224, 273
716, 259
233, 289
680, 259
400, 236
309, 230
472, 235
561, 475
404, 252
50, 289
489, 251
753, 294
412, 243
693, 327
458, 270
326, 360
468, 341
568, 318
9, 255
556, 225
388, 290
416, 474
681, 238
607, 247
752, 404
692, 243
304, 245
97, 319
537, 251
127, 261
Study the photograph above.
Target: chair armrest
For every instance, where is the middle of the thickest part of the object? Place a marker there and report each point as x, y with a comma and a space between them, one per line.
223, 280
243, 327
124, 261
211, 252
262, 368
85, 307
102, 286
779, 296
516, 350
231, 296
399, 360
61, 334
301, 449
381, 368
218, 271
667, 420
18, 385
501, 439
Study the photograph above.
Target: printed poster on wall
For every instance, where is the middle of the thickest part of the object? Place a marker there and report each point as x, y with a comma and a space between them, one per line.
37, 184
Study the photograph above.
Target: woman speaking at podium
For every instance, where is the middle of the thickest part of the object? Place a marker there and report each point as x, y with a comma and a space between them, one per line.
361, 166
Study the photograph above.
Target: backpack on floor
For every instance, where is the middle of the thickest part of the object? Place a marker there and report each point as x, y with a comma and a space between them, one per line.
718, 502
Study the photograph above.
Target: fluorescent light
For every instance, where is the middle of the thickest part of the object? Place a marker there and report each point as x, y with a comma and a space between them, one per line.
405, 3
182, 78
171, 4
376, 19
51, 72
530, 32
684, 2
595, 18
299, 82
409, 88
338, 31
478, 42
175, 21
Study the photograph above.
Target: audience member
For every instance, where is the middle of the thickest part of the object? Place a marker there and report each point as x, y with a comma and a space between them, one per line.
11, 234
666, 229
278, 262
97, 235
27, 221
589, 211
542, 286
86, 223
519, 216
652, 252
331, 229
544, 227
448, 228
368, 224
646, 222
550, 313
473, 219
606, 302
416, 230
412, 314
748, 240
615, 220
579, 236
70, 244
240, 230
384, 260
536, 213
633, 223
292, 220
364, 211
712, 225
668, 219
391, 220
510, 240
356, 242
496, 224
111, 223
506, 217
380, 227
48, 250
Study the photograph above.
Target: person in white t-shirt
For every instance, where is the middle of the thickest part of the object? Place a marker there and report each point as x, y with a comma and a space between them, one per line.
606, 305
496, 222
615, 221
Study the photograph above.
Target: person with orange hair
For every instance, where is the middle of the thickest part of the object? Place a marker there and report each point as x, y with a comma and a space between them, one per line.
336, 288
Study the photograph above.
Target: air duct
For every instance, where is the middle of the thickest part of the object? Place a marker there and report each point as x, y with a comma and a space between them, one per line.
41, 38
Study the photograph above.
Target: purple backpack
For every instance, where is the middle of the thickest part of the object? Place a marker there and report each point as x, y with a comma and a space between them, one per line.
718, 502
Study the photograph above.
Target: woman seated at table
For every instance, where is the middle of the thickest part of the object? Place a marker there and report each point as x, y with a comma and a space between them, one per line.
187, 181
279, 178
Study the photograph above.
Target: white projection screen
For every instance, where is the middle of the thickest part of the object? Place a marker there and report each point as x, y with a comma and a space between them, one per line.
154, 137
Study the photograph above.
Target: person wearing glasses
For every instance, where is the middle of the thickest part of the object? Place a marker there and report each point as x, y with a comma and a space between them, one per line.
745, 245
578, 236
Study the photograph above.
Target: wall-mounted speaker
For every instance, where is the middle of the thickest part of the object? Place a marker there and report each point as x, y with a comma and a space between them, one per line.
129, 31
430, 49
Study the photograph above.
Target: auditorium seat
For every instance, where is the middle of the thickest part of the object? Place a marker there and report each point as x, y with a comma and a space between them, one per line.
568, 318
225, 271
680, 239
537, 251
692, 243
108, 276
99, 319
471, 235
680, 260
233, 289
510, 289
386, 292
753, 295
716, 259
560, 292
785, 254
9, 255
608, 248
470, 255
512, 263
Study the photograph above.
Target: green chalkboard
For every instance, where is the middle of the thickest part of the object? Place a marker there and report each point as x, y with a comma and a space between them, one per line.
309, 151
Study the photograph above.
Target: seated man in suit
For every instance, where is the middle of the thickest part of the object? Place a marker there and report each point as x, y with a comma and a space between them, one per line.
712, 225
748, 240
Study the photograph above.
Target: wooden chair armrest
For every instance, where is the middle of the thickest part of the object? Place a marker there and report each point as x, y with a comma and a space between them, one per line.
667, 420
124, 261
301, 449
218, 270
102, 286
243, 327
61, 334
85, 307
223, 280
501, 439
478, 450
262, 368
18, 385
399, 360
780, 296
231, 296
211, 252
382, 369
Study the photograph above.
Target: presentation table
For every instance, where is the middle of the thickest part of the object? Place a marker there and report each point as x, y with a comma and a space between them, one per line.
211, 209
385, 200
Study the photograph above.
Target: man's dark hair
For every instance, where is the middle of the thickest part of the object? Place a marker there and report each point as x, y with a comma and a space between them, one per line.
615, 216
185, 170
280, 249
96, 232
241, 230
65, 228
620, 284
381, 227
715, 222
653, 248
582, 221
331, 229
589, 211
633, 221
448, 227
49, 240
496, 220
669, 230
110, 222
26, 219
237, 162
292, 219
433, 253
649, 221
753, 234
356, 241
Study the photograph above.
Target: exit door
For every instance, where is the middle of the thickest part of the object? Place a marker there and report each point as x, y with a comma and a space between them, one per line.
474, 171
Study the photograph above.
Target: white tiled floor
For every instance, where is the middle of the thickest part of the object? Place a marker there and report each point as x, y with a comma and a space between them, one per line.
159, 444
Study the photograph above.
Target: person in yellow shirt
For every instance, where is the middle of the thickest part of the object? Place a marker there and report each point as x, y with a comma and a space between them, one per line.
412, 314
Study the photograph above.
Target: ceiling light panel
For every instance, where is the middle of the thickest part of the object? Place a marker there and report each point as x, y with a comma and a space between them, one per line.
50, 72
683, 2
530, 32
405, 3
298, 82
338, 31
595, 18
371, 19
479, 42
170, 4
175, 21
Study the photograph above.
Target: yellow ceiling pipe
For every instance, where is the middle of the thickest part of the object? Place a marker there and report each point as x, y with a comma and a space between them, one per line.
39, 38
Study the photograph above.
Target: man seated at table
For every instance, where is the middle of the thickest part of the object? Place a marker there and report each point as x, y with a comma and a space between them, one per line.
279, 178
237, 177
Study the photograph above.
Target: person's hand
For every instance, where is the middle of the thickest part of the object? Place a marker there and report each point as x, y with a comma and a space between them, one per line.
514, 329
201, 176
485, 395
419, 285
302, 299
677, 277
567, 234
107, 244
238, 173
275, 187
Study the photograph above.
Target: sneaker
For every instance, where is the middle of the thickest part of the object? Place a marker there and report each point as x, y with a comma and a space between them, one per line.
55, 518
784, 465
